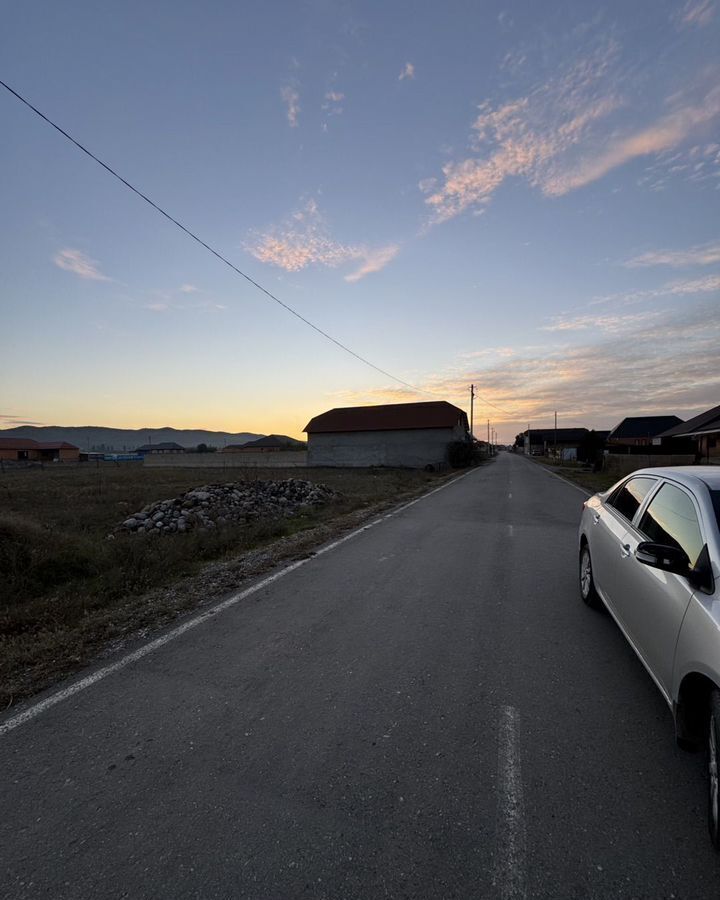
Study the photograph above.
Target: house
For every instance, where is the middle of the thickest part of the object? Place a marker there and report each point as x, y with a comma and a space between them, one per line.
640, 431
26, 449
270, 444
566, 443
166, 447
705, 429
410, 435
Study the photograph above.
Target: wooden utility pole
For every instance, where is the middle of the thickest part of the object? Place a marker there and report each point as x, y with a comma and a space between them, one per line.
472, 400
555, 441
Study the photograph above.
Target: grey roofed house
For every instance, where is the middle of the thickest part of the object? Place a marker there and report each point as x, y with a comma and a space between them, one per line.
274, 442
411, 435
640, 430
705, 428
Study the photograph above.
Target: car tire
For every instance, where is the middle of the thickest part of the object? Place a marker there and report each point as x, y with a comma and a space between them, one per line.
714, 768
588, 593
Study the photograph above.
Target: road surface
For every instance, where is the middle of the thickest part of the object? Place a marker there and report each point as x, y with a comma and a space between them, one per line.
425, 711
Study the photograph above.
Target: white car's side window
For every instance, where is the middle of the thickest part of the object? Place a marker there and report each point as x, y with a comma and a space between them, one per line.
628, 499
671, 519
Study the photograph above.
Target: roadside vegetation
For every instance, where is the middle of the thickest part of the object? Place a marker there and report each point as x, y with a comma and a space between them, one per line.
67, 591
581, 473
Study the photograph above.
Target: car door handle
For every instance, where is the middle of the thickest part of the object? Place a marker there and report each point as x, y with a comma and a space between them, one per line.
596, 518
624, 550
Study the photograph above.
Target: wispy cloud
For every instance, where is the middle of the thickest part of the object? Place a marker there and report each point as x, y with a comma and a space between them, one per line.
304, 240
668, 132
79, 264
189, 289
707, 284
698, 12
592, 384
408, 71
558, 136
291, 98
527, 136
609, 323
374, 261
703, 255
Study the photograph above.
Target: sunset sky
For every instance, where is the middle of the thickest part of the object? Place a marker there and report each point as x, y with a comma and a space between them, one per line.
520, 195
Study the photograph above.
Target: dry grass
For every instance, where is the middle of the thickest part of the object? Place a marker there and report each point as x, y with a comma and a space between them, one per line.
66, 591
580, 474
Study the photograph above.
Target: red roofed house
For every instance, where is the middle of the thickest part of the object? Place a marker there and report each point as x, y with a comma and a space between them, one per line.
21, 449
410, 435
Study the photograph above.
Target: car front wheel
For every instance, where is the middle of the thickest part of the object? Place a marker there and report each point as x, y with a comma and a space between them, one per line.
588, 593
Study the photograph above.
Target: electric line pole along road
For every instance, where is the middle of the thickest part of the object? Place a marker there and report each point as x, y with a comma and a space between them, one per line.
427, 710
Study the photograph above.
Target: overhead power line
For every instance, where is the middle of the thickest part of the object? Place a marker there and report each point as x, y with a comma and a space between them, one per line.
211, 249
224, 259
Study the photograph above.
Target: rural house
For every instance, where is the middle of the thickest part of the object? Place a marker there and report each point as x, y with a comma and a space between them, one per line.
165, 447
26, 449
705, 429
566, 443
639, 431
411, 435
273, 443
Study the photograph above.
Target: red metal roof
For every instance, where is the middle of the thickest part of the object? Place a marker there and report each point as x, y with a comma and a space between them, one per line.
391, 417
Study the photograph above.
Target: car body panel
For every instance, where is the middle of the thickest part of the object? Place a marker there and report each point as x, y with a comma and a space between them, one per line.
673, 628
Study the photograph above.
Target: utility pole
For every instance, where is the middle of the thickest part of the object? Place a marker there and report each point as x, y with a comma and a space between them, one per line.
472, 400
555, 442
529, 444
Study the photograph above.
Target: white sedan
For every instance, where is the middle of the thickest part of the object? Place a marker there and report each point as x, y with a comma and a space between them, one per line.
650, 553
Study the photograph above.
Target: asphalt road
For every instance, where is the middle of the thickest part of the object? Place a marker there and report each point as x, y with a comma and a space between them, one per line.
425, 711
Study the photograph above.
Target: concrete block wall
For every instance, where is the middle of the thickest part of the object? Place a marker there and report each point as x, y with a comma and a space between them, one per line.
412, 448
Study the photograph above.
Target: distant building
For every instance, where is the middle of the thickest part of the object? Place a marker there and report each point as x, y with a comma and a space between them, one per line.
270, 444
640, 431
166, 447
566, 443
705, 429
26, 449
412, 435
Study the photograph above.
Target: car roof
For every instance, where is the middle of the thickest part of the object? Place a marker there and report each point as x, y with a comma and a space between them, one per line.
690, 476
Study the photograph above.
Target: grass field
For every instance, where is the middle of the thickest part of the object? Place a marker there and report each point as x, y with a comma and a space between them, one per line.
66, 591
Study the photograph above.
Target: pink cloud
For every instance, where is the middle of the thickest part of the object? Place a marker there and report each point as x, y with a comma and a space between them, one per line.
79, 264
304, 240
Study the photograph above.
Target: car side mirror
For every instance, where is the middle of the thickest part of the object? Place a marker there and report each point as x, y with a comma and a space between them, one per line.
663, 556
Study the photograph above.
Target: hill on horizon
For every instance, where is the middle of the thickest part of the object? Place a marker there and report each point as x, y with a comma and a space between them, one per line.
119, 440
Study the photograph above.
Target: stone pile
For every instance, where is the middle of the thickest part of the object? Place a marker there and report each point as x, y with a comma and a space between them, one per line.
215, 505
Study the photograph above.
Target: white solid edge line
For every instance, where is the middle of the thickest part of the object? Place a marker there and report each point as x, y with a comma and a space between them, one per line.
37, 708
510, 874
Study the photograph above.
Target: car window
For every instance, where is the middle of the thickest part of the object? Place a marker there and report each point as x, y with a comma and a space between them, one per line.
715, 496
628, 499
671, 519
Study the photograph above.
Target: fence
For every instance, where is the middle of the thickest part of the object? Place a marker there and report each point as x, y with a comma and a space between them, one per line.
622, 465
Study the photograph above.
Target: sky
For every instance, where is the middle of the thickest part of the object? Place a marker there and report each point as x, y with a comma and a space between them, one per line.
521, 196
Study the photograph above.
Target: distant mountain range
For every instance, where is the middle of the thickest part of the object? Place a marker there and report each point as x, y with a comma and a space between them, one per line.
117, 440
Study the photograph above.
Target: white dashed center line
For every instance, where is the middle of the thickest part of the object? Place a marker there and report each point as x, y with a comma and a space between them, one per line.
510, 876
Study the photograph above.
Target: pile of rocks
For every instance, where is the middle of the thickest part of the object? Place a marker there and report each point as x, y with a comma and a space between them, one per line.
215, 505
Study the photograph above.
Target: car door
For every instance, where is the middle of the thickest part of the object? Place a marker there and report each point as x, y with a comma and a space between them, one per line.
610, 522
654, 602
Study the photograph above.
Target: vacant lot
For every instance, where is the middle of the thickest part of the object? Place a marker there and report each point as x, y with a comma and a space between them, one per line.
66, 591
